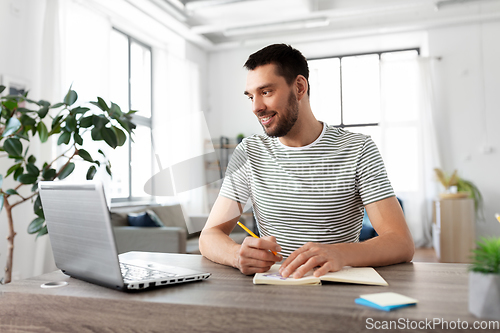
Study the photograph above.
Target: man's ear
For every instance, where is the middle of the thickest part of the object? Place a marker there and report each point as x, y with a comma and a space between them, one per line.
301, 86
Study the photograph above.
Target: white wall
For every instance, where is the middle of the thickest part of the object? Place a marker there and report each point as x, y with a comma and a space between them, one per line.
20, 59
469, 109
467, 85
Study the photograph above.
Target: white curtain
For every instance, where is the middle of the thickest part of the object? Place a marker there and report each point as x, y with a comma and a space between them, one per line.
180, 130
50, 90
409, 146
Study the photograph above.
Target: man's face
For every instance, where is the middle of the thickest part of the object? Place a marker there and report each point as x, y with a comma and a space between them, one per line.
273, 100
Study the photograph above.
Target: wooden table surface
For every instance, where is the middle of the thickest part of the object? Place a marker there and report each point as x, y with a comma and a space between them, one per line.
229, 302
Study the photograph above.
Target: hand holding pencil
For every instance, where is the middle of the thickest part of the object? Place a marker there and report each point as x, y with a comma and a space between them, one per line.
257, 255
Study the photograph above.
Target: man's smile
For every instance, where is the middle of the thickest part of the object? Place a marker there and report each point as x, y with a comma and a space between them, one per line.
266, 119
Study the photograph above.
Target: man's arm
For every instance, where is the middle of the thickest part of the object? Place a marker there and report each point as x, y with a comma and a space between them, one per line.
393, 245
251, 257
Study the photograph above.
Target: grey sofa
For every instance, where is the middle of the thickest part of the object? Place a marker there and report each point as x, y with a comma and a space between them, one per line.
173, 237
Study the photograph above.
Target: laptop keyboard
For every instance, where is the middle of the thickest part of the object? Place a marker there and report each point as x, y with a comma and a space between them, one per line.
136, 273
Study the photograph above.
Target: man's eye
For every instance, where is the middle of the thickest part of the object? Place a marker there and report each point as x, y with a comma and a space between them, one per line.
250, 98
266, 93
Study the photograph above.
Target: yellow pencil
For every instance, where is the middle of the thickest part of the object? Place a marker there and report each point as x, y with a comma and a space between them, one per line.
498, 217
252, 234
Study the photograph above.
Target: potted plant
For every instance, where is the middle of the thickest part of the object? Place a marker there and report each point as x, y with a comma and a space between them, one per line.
484, 279
21, 119
239, 138
457, 188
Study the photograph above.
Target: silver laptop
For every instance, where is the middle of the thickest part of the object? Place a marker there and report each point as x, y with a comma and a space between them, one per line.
83, 242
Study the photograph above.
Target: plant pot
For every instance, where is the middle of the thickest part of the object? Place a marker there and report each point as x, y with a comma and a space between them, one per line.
484, 295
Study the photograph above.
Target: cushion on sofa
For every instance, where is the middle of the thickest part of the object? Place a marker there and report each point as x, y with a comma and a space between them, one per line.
145, 219
118, 219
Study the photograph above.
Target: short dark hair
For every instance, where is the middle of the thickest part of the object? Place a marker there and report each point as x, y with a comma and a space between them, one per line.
289, 62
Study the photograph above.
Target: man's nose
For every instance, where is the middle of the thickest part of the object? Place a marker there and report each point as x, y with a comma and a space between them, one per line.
258, 105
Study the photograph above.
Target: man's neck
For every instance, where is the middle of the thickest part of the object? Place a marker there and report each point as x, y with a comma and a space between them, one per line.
304, 132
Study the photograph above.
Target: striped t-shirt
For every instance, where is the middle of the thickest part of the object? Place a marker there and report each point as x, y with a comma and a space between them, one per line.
314, 193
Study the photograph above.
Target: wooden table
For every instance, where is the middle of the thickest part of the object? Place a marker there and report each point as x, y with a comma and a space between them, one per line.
229, 302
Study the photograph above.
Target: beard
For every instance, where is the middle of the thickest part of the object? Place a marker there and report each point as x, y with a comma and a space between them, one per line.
286, 120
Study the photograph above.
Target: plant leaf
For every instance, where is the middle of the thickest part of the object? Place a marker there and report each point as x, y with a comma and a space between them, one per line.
13, 124
85, 155
86, 122
32, 169
71, 123
12, 169
102, 104
10, 105
79, 109
27, 120
115, 111
67, 171
121, 137
43, 133
32, 159
43, 111
78, 138
108, 170
71, 97
64, 138
37, 207
109, 137
57, 105
96, 134
49, 174
13, 147
19, 171
2, 88
1, 200
11, 191
91, 172
101, 152
27, 178
42, 232
35, 225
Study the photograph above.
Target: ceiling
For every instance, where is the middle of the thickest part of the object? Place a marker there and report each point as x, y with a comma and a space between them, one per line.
228, 23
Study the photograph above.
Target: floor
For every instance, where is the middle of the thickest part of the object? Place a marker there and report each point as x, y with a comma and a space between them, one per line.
425, 255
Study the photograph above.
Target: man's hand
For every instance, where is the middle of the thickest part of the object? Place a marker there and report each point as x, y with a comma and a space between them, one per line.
255, 256
311, 255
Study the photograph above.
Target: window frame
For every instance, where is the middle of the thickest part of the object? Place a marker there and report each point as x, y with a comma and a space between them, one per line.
379, 54
139, 121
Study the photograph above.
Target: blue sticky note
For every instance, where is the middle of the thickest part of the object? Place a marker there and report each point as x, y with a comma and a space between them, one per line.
364, 302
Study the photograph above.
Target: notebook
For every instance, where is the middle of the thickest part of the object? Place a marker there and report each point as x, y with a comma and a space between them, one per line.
357, 275
83, 242
385, 301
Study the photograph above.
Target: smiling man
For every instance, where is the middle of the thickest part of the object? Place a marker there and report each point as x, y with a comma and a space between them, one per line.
308, 182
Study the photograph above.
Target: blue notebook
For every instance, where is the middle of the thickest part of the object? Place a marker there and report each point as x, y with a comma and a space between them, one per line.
385, 301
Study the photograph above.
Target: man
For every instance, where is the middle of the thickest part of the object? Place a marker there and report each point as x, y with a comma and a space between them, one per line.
308, 183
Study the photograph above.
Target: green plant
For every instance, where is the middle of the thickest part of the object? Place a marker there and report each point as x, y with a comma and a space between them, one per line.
467, 186
21, 119
463, 185
486, 257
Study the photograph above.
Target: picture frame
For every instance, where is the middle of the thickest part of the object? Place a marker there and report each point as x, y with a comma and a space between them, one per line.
14, 85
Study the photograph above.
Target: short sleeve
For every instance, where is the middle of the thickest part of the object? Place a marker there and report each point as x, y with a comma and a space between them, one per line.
236, 185
371, 176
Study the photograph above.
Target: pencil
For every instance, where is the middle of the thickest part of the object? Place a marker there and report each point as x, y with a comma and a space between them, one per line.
251, 233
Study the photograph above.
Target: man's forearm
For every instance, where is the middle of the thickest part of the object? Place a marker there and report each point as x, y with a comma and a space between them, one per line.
382, 250
219, 247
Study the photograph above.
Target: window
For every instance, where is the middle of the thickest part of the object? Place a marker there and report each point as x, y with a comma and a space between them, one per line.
130, 88
374, 94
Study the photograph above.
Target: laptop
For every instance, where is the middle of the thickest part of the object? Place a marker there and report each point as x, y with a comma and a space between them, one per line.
83, 242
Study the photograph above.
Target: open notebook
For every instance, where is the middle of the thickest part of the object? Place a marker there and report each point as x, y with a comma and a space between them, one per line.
357, 275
